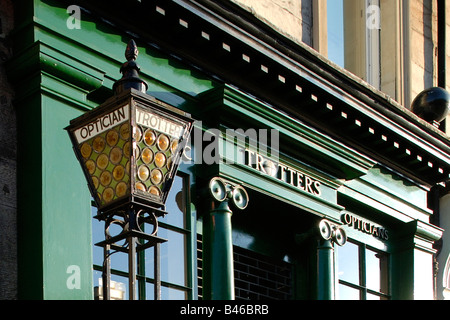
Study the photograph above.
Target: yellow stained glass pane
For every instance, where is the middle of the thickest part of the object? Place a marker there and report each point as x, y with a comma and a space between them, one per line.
90, 166
126, 149
143, 173
108, 195
138, 134
160, 159
115, 155
147, 155
149, 137
118, 172
154, 190
112, 137
98, 144
105, 178
96, 182
121, 189
125, 131
102, 161
156, 176
174, 146
86, 150
163, 142
140, 186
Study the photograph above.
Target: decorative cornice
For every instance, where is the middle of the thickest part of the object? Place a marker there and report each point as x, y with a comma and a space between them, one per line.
42, 60
222, 41
297, 140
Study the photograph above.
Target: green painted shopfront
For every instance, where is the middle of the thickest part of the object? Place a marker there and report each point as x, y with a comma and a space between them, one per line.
342, 187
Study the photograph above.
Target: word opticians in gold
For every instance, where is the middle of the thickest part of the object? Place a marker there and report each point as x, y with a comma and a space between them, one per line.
282, 172
365, 226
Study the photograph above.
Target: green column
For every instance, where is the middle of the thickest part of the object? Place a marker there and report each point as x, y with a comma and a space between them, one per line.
325, 254
221, 272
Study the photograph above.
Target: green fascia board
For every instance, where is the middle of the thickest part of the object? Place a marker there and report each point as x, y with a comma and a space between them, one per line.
383, 206
226, 103
387, 194
382, 179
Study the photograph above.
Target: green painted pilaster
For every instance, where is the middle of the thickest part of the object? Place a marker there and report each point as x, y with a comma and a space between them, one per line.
218, 255
325, 265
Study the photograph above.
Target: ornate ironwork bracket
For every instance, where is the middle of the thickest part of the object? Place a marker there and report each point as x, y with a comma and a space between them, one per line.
133, 221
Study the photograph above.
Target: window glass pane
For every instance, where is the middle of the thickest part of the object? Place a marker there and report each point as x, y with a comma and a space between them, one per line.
172, 257
370, 296
97, 236
348, 263
166, 293
119, 286
173, 294
376, 271
348, 293
175, 205
335, 26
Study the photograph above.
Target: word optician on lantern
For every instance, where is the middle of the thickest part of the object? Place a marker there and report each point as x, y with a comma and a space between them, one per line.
145, 118
102, 123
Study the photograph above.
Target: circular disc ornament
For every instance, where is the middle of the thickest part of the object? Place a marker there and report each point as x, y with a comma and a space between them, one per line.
240, 197
217, 189
340, 237
325, 229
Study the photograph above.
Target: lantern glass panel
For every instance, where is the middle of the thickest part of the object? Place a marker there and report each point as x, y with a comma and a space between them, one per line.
104, 145
156, 146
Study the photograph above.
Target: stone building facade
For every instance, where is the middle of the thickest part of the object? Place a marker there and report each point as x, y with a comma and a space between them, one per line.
8, 154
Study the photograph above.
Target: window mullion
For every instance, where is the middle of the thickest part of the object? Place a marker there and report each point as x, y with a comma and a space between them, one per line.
363, 270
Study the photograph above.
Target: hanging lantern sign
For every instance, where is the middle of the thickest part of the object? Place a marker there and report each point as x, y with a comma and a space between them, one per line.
130, 146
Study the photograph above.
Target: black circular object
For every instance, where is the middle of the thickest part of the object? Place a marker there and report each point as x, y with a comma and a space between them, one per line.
432, 104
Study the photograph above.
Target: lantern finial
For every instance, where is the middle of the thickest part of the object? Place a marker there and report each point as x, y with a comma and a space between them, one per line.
130, 72
131, 52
